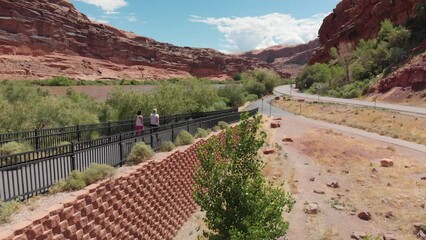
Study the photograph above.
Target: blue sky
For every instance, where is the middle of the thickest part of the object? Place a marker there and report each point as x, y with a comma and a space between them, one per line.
225, 25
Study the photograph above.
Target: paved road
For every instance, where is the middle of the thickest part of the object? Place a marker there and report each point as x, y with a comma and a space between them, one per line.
400, 108
276, 112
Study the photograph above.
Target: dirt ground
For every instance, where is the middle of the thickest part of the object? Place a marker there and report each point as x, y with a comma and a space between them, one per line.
388, 123
394, 196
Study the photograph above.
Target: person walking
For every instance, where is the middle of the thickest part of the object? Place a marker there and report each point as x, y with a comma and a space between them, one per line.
155, 122
139, 127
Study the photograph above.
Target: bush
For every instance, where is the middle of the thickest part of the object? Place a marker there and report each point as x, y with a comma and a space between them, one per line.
140, 153
201, 133
75, 181
7, 209
98, 172
223, 125
58, 187
230, 187
184, 138
234, 94
209, 131
216, 129
167, 146
251, 97
15, 147
237, 77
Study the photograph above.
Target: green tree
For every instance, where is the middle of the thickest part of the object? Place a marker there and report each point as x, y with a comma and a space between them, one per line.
230, 187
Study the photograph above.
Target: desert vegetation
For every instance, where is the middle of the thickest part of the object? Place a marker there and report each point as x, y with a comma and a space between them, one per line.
355, 68
25, 106
140, 153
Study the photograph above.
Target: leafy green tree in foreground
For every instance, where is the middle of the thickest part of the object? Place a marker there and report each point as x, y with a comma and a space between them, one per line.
230, 187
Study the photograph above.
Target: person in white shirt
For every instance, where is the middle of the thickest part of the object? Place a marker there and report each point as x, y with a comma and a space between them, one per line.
155, 122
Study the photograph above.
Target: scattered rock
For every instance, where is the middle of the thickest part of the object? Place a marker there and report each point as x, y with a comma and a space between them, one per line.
287, 139
389, 236
333, 184
386, 163
329, 170
277, 119
389, 215
277, 98
319, 191
338, 207
311, 208
422, 205
340, 195
374, 170
419, 226
275, 124
358, 235
366, 216
312, 179
421, 235
346, 171
268, 150
407, 166
423, 178
389, 185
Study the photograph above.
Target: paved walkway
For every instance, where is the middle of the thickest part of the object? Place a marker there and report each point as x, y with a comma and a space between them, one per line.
267, 109
286, 89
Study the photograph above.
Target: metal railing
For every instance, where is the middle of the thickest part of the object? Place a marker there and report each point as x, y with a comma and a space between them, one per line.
44, 138
28, 174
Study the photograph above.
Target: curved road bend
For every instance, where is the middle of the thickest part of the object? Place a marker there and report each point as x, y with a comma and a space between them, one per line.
276, 112
395, 107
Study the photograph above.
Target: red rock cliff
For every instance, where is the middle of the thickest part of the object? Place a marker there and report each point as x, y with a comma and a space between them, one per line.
353, 20
50, 37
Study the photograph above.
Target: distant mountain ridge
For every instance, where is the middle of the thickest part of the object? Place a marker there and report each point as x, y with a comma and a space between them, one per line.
43, 38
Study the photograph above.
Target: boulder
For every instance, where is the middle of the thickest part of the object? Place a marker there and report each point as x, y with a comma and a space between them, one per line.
386, 163
333, 184
319, 191
366, 216
312, 179
275, 124
389, 236
287, 139
358, 235
269, 150
311, 208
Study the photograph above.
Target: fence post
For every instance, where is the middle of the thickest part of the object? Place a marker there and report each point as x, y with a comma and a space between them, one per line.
151, 137
37, 139
109, 128
121, 150
173, 132
78, 132
73, 167
187, 125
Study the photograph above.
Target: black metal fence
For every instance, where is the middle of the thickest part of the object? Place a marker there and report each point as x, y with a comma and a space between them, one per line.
44, 138
28, 174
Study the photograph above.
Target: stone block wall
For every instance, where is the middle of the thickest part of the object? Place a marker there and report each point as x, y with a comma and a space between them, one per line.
152, 202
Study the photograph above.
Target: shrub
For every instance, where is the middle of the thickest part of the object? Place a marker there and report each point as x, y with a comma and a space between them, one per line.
75, 181
98, 172
230, 187
223, 125
15, 147
209, 131
7, 209
237, 77
167, 146
140, 153
184, 138
201, 133
234, 94
94, 135
216, 129
58, 187
251, 97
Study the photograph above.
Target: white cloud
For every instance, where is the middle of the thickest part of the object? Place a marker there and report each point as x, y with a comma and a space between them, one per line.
248, 33
132, 19
108, 6
93, 19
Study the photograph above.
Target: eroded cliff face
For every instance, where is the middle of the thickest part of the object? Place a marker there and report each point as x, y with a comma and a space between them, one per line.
43, 38
288, 61
353, 20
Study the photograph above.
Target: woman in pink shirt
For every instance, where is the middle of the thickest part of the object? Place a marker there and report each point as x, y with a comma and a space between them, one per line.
139, 123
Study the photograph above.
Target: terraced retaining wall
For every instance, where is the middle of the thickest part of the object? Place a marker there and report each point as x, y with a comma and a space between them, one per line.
152, 202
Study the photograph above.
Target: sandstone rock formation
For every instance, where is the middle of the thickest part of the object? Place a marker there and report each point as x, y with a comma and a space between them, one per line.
42, 38
288, 61
353, 20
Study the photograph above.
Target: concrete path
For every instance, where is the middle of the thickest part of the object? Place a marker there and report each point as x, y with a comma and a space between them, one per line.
267, 109
286, 89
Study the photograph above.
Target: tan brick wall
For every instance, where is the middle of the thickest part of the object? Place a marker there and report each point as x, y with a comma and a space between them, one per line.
152, 202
